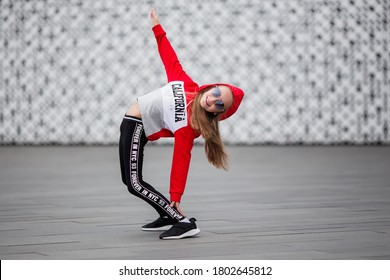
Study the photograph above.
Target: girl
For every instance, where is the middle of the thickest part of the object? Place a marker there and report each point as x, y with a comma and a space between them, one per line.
182, 110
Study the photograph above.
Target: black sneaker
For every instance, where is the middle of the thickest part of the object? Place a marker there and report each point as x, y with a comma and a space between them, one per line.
158, 225
180, 230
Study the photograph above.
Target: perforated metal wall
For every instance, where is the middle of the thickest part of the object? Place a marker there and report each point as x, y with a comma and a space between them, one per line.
313, 71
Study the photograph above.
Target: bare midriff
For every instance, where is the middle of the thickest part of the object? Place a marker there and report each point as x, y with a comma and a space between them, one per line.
134, 110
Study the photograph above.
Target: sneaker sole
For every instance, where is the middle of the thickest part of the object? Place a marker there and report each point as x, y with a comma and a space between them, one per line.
164, 228
190, 233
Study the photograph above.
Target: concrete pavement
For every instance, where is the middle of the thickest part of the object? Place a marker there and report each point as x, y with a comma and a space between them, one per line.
274, 203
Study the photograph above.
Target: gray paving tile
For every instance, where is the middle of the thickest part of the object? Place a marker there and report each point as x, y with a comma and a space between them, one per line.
274, 203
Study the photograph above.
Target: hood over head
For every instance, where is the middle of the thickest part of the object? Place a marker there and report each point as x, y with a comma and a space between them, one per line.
238, 95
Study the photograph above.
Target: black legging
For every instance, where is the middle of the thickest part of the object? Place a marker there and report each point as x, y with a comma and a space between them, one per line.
131, 154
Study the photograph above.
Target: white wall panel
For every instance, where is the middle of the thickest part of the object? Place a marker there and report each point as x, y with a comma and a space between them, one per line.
314, 72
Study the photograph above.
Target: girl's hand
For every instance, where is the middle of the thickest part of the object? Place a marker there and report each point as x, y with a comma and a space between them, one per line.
176, 205
154, 18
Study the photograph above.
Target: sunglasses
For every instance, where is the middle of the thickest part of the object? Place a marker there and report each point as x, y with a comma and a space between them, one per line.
216, 92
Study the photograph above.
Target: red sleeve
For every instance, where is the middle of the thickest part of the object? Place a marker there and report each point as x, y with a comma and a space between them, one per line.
184, 141
172, 65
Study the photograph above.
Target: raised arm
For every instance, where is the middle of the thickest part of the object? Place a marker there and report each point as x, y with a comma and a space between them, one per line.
173, 68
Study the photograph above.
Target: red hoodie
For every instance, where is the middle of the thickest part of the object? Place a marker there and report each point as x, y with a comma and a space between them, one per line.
185, 135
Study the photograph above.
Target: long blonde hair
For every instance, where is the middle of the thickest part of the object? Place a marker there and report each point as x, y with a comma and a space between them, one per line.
207, 124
